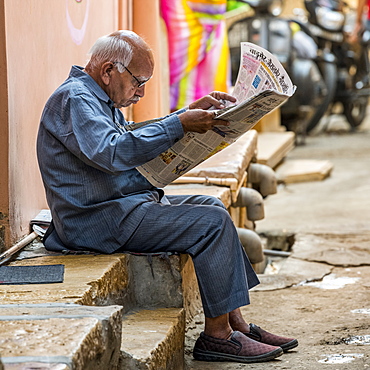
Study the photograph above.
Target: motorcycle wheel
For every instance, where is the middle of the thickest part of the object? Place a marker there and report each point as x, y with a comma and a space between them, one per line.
355, 110
329, 73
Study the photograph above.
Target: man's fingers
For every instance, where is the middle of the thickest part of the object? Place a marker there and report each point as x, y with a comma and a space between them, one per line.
221, 122
218, 95
215, 99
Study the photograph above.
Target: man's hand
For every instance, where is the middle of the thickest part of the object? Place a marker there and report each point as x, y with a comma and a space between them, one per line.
213, 99
199, 120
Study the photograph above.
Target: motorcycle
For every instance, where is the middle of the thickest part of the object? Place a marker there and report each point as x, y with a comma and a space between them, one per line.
291, 42
327, 22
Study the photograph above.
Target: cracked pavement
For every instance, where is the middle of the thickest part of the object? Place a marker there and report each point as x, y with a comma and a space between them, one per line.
321, 293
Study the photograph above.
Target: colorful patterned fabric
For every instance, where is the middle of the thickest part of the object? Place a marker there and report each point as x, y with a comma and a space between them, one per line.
198, 48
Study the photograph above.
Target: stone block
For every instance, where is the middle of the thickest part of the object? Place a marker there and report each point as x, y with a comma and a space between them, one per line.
60, 336
302, 170
153, 340
156, 280
165, 282
190, 290
88, 280
273, 147
37, 366
231, 162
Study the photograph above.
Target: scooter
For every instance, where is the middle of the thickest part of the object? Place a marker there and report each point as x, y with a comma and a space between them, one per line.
291, 42
327, 22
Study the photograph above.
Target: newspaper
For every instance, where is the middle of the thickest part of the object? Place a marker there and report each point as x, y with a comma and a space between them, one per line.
262, 86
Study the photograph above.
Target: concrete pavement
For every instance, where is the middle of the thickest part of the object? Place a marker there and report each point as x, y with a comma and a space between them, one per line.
321, 293
339, 203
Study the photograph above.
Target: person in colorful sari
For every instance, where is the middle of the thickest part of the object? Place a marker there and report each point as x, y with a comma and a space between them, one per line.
198, 49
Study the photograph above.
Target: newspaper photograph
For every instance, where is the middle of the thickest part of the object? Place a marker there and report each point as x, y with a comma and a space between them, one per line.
187, 153
262, 85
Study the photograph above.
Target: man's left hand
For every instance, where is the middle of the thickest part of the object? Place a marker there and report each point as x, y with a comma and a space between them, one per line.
214, 99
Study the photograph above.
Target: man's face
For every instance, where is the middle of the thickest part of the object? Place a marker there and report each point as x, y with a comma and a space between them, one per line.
124, 88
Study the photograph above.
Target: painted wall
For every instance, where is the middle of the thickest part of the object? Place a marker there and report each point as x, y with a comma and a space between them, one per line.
148, 24
4, 173
39, 41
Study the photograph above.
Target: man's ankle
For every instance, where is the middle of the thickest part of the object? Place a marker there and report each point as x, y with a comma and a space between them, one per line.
219, 333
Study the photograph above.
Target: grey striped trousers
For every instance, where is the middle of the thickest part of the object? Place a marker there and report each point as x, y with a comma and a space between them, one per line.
201, 227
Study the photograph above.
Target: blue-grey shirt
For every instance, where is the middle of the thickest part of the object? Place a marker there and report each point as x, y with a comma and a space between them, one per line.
87, 162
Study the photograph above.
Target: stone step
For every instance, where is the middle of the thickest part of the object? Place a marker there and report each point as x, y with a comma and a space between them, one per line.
301, 170
231, 162
165, 282
127, 280
69, 336
91, 280
153, 340
273, 147
226, 168
60, 336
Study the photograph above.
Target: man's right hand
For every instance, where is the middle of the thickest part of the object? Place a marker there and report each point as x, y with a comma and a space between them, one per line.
199, 120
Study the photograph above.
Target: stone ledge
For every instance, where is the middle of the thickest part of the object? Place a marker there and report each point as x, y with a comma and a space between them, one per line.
63, 336
165, 283
153, 340
44, 310
302, 170
88, 280
274, 146
127, 280
231, 162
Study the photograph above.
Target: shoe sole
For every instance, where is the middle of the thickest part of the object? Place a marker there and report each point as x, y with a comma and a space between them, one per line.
202, 355
290, 345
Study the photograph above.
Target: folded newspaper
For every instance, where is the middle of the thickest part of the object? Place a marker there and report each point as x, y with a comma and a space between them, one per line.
262, 86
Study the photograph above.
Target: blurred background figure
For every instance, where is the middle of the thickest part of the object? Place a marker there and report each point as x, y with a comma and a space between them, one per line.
362, 5
198, 49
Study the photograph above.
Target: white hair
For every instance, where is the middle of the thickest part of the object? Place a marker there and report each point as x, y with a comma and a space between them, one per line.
113, 48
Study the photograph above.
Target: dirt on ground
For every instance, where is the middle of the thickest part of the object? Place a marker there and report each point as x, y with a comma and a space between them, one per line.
321, 293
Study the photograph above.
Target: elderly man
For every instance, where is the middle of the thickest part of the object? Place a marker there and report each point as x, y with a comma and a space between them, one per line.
100, 202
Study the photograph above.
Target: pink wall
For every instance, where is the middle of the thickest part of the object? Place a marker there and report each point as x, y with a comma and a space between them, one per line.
39, 41
37, 49
4, 178
148, 23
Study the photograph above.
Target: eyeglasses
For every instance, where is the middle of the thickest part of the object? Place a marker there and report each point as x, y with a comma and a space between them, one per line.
139, 83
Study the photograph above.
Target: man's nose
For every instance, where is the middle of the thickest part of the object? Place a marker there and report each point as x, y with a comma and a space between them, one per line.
140, 91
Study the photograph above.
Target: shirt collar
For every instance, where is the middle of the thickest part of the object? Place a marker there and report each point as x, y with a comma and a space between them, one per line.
77, 72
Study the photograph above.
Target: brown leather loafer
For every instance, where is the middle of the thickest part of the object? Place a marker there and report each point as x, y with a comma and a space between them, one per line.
239, 348
263, 336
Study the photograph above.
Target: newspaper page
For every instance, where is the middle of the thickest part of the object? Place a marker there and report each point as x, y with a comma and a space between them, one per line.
262, 86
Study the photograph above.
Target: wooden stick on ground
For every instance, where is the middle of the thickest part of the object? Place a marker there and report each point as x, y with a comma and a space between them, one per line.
17, 247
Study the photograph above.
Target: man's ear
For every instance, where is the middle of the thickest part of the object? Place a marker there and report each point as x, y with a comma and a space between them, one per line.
106, 72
